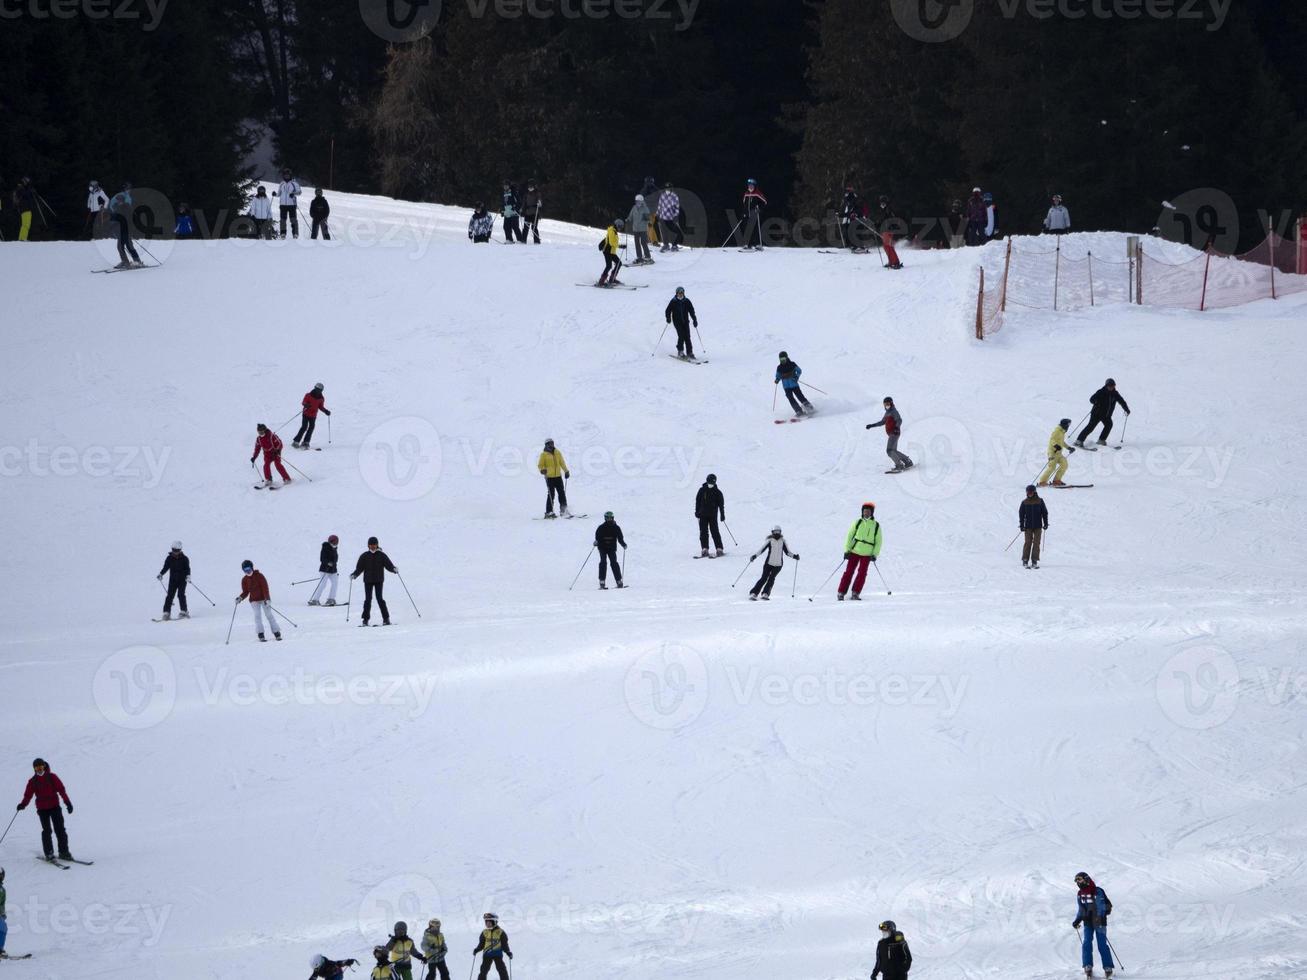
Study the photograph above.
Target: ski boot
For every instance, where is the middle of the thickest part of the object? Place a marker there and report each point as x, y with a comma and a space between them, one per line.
550, 515
839, 596
753, 597
64, 855
615, 282
277, 635
330, 602
565, 512
1034, 564
621, 585
898, 469
604, 586
262, 638
1025, 564
765, 597
799, 414
183, 615
720, 553
1058, 483
1080, 443
1107, 972
703, 553
295, 444
166, 616
314, 602
1102, 441
909, 464
385, 622
856, 597
124, 264
1089, 971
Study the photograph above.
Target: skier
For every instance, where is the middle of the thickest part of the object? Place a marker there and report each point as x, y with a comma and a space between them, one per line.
325, 969
288, 193
1104, 400
384, 970
1058, 219
893, 423
401, 950
120, 215
680, 311
893, 958
313, 402
850, 210
553, 467
1057, 463
327, 560
261, 212
255, 588
48, 788
976, 218
319, 212
270, 444
638, 220
787, 376
669, 219
612, 261
373, 565
888, 224
861, 545
185, 227
1092, 908
709, 507
532, 205
494, 945
178, 567
25, 202
481, 225
608, 536
991, 217
435, 949
97, 210
754, 201
512, 221
4, 927
776, 549
955, 226
1032, 519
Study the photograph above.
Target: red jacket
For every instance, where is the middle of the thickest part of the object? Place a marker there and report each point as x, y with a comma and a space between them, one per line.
270, 443
313, 403
255, 587
47, 789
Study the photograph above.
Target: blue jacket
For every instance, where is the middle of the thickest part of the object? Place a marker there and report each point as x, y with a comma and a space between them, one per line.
184, 226
1093, 910
788, 375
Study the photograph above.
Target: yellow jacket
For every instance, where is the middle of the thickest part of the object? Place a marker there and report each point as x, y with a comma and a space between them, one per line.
864, 537
612, 242
552, 464
1056, 442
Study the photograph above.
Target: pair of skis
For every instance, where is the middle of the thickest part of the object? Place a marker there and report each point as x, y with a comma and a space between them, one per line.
62, 864
620, 285
565, 517
130, 268
688, 360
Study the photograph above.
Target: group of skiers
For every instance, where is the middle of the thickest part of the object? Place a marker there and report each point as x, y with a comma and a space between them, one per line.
1103, 403
394, 958
858, 222
288, 194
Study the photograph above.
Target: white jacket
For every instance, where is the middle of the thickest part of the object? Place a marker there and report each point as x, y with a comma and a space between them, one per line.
288, 192
96, 201
261, 207
989, 225
776, 549
1059, 218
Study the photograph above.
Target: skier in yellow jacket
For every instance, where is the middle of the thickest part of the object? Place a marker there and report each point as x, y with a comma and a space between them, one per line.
612, 261
1057, 461
861, 547
493, 946
553, 468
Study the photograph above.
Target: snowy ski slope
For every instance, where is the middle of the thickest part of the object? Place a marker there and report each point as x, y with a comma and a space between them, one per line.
669, 780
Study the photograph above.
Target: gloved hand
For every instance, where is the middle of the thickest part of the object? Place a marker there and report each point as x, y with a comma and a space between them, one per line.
873, 559
159, 577
396, 569
567, 475
1076, 924
868, 425
777, 381
22, 806
623, 547
542, 473
752, 559
326, 412
70, 808
848, 555
1071, 449
795, 557
252, 458
510, 955
239, 599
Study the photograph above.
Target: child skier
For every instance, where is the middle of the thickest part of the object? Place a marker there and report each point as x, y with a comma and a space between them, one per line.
680, 311
373, 565
494, 945
185, 227
787, 376
270, 444
178, 567
47, 788
553, 467
1032, 517
1092, 908
401, 950
384, 969
325, 969
612, 261
608, 536
319, 212
709, 507
1057, 463
480, 226
893, 958
776, 549
327, 559
888, 223
861, 546
435, 950
669, 219
313, 402
893, 423
255, 588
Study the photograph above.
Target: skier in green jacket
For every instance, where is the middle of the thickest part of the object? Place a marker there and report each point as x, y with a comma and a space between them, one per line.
861, 545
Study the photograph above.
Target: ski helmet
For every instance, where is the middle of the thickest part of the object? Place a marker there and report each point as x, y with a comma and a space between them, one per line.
639, 199
884, 199
1057, 198
783, 356
372, 541
1030, 488
888, 926
619, 224
668, 185
712, 478
247, 565
530, 183
1111, 382
751, 182
40, 763
680, 290
975, 190
608, 515
317, 386
776, 529
1065, 423
490, 917
887, 400
868, 505
507, 182
285, 171
481, 205
318, 962
401, 928
332, 539
380, 953
2, 876
1082, 876
176, 546
433, 924
261, 427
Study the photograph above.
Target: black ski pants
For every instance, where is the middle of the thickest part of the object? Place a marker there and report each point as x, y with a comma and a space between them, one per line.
370, 588
683, 342
797, 400
320, 224
307, 424
607, 554
612, 261
177, 588
292, 212
497, 962
555, 485
125, 246
765, 580
1094, 419
753, 230
52, 822
669, 231
437, 970
708, 525
513, 229
532, 225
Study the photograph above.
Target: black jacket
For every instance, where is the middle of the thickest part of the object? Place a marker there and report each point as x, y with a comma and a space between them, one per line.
319, 209
887, 219
373, 565
608, 535
531, 203
709, 502
852, 206
1105, 401
1033, 514
893, 958
178, 567
328, 558
682, 311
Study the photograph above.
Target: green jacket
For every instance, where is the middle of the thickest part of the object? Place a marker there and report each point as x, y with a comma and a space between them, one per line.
864, 538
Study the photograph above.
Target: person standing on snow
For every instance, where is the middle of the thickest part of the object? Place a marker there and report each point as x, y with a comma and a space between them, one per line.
553, 467
1057, 462
373, 565
97, 210
270, 444
319, 212
512, 215
328, 558
435, 950
893, 958
638, 222
612, 261
178, 568
776, 550
313, 402
649, 191
384, 970
47, 789
261, 213
288, 193
669, 219
1032, 519
850, 211
532, 205
185, 226
255, 588
608, 536
494, 945
120, 216
481, 225
1058, 219
709, 507
893, 423
861, 546
787, 376
4, 926
25, 203
401, 951
1104, 402
753, 201
1092, 909
680, 311
325, 969
888, 223
991, 217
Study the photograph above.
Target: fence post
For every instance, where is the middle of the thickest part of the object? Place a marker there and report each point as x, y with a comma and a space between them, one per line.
1139, 275
980, 306
1007, 264
1202, 303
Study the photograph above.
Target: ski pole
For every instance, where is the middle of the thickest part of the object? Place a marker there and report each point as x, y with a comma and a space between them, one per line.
660, 339
328, 430
305, 580
794, 587
349, 595
283, 615
232, 623
813, 388
775, 390
876, 565
298, 470
733, 231
1012, 542
471, 969
408, 593
743, 570
201, 592
705, 349
11, 823
287, 422
828, 578
582, 568
623, 563
1123, 428
728, 531
1115, 956
148, 252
